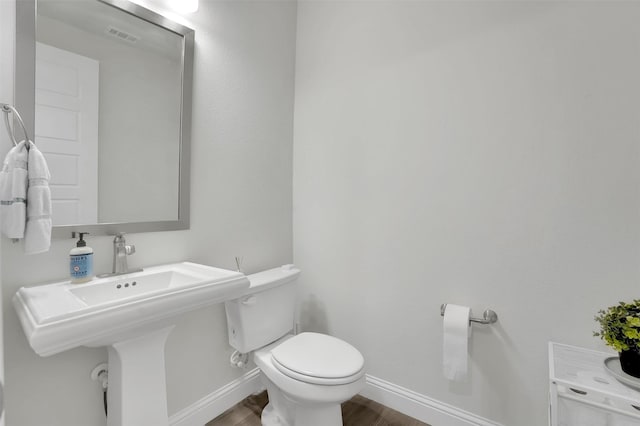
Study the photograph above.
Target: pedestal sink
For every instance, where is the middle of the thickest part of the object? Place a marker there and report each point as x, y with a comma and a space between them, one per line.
132, 315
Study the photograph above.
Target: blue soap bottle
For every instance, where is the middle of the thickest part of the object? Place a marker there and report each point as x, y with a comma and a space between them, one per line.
81, 261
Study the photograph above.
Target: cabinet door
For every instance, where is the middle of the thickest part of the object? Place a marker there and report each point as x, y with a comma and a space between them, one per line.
576, 413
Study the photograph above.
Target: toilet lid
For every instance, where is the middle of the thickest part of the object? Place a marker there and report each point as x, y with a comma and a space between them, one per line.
318, 358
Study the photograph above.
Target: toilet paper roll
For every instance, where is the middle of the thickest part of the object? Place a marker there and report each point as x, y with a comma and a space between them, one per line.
456, 330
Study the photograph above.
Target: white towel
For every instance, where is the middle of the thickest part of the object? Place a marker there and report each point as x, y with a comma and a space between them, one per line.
25, 198
37, 237
13, 192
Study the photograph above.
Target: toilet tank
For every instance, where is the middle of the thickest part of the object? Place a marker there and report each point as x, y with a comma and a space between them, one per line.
265, 312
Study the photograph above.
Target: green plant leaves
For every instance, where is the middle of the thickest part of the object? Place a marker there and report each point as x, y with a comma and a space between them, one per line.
620, 326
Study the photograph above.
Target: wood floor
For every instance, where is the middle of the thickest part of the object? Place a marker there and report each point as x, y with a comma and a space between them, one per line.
358, 411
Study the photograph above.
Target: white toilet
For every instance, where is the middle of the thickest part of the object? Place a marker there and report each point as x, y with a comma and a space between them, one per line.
307, 375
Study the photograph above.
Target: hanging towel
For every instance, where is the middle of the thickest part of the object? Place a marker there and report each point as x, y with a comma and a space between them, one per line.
25, 198
13, 192
37, 236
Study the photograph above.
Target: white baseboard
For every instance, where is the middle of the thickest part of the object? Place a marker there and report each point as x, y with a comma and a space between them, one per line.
419, 406
408, 402
219, 401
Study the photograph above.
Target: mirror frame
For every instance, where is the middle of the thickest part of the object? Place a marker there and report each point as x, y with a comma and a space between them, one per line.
25, 93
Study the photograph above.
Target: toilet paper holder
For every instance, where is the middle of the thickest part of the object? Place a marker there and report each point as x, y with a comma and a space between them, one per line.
488, 317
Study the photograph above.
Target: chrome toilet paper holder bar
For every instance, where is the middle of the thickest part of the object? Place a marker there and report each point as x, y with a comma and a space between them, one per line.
488, 317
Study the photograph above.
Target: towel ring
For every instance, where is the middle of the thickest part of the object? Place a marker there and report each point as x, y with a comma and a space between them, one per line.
6, 108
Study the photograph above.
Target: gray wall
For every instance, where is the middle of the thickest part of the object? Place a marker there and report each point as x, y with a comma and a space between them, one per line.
478, 153
241, 206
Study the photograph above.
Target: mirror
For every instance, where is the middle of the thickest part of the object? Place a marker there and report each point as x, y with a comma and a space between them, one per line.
105, 87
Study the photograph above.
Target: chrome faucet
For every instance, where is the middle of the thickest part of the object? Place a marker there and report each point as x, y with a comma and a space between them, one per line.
120, 252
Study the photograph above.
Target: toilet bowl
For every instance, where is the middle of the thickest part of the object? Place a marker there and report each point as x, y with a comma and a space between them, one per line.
303, 391
308, 375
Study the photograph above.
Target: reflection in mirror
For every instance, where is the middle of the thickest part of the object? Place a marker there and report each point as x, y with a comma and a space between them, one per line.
112, 110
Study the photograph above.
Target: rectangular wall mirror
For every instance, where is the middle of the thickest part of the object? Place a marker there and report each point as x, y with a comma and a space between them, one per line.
105, 88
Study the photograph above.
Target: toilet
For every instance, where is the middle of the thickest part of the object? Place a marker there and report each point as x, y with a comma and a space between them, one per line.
307, 375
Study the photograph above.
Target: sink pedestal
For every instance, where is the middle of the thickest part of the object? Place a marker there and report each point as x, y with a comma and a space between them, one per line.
137, 386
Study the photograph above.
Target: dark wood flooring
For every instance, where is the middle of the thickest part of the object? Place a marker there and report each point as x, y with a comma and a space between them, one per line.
358, 411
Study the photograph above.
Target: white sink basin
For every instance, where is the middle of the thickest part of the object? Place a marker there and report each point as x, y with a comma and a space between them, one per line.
61, 316
132, 315
141, 284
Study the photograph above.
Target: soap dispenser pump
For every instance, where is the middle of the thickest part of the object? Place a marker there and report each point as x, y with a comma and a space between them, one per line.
81, 261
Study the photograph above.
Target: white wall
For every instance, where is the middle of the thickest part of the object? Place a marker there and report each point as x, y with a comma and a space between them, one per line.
241, 206
479, 153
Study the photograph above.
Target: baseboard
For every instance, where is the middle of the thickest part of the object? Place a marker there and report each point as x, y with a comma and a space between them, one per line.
406, 401
419, 406
219, 401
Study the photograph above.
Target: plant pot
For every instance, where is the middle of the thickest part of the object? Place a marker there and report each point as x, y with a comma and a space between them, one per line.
630, 363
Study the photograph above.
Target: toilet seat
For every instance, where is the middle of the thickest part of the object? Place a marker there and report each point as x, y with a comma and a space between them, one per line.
318, 359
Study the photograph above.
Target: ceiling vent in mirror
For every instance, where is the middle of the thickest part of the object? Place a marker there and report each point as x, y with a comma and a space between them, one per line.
122, 35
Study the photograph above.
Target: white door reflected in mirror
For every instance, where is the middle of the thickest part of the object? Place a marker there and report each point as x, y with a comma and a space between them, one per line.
67, 131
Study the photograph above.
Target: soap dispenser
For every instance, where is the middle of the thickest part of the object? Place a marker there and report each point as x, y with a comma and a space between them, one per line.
81, 261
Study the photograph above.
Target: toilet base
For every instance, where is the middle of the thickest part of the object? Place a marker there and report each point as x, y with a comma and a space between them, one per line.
327, 415
269, 416
283, 410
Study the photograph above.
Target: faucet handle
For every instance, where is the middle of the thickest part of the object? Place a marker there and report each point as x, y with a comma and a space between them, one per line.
130, 249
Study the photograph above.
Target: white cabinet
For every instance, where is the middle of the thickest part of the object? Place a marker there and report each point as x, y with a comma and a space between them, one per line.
583, 393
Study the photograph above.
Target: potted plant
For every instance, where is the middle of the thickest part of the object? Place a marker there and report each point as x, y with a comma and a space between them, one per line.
620, 329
